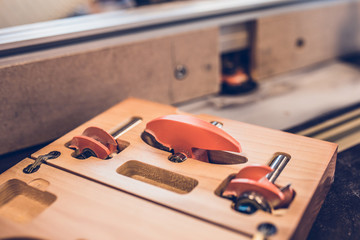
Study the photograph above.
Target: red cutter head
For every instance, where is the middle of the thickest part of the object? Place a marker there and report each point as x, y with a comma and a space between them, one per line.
95, 139
188, 135
253, 179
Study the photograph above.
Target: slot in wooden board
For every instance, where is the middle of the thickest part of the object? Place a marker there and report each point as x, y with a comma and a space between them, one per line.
81, 209
310, 170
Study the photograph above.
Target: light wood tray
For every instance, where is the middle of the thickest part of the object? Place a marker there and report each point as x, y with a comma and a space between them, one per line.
54, 204
137, 170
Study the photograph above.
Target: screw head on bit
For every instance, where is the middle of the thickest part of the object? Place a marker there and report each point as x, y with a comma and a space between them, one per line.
250, 202
177, 157
267, 229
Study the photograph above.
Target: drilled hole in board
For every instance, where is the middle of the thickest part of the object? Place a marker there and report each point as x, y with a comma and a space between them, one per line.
21, 203
158, 177
221, 188
300, 42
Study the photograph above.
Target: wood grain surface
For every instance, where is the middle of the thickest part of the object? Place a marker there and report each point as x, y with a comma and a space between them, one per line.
293, 40
82, 209
310, 170
48, 95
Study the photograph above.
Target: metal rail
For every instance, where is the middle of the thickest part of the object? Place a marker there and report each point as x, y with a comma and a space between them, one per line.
45, 35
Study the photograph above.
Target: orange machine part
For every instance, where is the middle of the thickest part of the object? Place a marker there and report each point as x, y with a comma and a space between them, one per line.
186, 134
253, 179
236, 79
97, 140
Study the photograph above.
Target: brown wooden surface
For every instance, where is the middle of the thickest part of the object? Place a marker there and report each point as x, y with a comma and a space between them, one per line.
325, 33
81, 209
317, 200
45, 96
308, 166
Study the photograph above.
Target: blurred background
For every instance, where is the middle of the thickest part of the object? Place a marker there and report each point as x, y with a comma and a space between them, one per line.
19, 12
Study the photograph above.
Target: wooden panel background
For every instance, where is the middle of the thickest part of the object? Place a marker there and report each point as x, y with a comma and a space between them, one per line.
44, 98
293, 40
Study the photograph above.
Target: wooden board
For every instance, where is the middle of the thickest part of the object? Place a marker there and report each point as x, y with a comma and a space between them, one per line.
53, 92
53, 204
310, 170
292, 40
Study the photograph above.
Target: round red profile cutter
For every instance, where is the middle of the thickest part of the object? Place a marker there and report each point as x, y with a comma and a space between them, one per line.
96, 142
254, 187
186, 136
